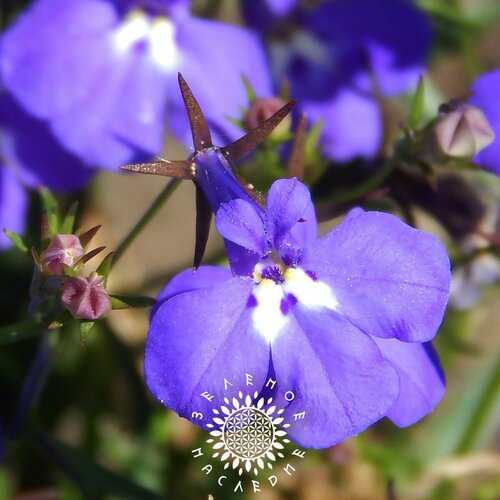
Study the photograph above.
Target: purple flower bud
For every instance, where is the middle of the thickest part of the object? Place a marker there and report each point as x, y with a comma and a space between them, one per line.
262, 109
85, 298
462, 130
64, 250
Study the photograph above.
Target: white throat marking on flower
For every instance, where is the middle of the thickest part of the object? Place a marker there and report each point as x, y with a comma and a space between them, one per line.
158, 32
268, 318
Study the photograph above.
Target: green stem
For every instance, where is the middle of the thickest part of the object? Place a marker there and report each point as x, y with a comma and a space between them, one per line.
19, 331
486, 404
144, 220
368, 186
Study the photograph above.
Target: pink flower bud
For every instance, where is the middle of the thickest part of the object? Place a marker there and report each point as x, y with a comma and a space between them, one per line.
462, 130
64, 250
85, 298
262, 109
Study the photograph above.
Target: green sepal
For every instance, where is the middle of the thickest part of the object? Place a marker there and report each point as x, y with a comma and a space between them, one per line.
49, 204
19, 243
250, 91
124, 301
87, 236
68, 225
85, 327
105, 266
417, 106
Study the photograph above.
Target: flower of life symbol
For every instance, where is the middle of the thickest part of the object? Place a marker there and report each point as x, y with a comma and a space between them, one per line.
245, 434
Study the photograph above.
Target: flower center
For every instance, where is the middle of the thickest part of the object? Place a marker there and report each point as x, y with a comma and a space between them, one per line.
278, 289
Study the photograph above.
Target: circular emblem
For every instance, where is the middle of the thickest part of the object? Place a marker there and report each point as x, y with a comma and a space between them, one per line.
245, 433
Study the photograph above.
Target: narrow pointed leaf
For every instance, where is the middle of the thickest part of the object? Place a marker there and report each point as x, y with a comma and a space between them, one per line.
89, 255
199, 126
135, 301
246, 144
87, 236
50, 205
36, 258
16, 240
105, 266
251, 95
68, 225
177, 169
203, 219
94, 480
117, 304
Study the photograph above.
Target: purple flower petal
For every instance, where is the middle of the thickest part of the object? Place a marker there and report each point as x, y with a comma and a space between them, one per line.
484, 90
33, 153
389, 279
13, 205
421, 379
49, 70
337, 374
239, 222
305, 232
195, 279
196, 340
389, 40
287, 202
352, 124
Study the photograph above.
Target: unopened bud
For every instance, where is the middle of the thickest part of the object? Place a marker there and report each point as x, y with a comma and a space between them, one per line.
462, 130
263, 108
64, 250
85, 298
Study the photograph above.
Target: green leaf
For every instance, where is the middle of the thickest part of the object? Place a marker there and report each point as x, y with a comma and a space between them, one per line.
105, 266
124, 301
17, 240
92, 478
68, 225
251, 95
50, 207
417, 105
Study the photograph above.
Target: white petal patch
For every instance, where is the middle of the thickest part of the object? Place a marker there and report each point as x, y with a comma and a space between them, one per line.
158, 33
267, 317
163, 48
134, 28
309, 293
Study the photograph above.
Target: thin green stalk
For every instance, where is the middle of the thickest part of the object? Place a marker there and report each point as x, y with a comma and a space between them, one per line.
487, 403
144, 220
19, 331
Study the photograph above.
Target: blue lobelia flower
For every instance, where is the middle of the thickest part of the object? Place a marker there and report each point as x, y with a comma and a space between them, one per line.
339, 58
343, 322
102, 73
30, 157
483, 90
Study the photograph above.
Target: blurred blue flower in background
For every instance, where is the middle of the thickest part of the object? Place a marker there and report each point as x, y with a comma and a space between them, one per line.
339, 57
102, 73
485, 92
30, 157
